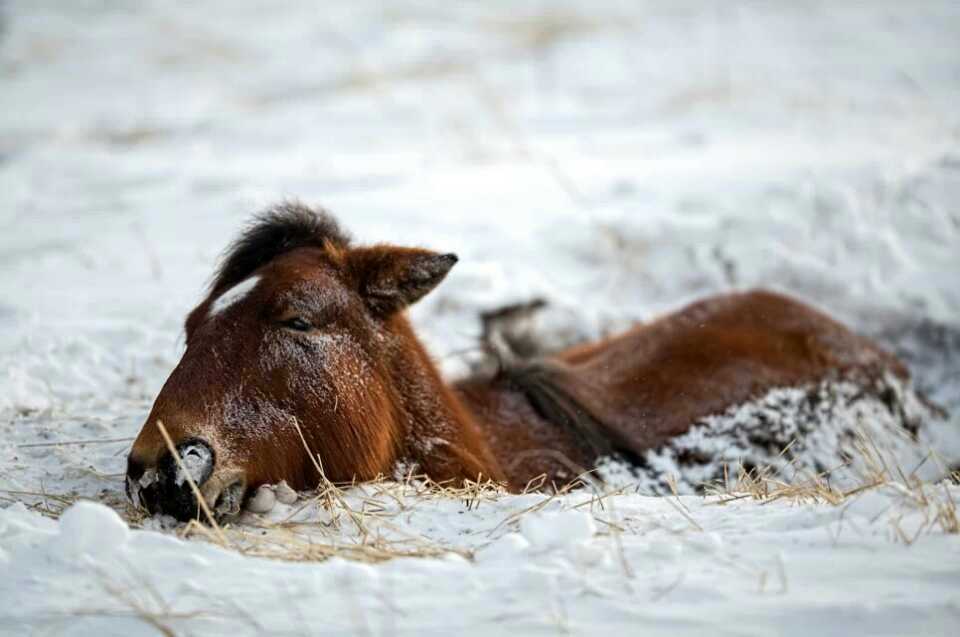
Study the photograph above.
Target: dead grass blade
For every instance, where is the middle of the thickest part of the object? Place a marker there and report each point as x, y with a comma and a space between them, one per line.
193, 485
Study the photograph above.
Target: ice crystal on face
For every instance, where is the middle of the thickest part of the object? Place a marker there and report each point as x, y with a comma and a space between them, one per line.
430, 443
254, 415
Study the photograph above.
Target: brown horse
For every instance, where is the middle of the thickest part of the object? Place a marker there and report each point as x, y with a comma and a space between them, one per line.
303, 331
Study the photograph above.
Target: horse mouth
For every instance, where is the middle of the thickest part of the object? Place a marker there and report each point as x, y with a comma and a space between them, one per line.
224, 495
142, 490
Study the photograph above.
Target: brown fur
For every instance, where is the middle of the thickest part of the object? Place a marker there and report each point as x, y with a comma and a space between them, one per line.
366, 395
636, 390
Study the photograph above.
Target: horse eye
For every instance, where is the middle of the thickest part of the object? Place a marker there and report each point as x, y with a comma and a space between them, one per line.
297, 324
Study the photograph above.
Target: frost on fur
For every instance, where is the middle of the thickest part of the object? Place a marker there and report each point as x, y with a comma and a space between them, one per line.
792, 432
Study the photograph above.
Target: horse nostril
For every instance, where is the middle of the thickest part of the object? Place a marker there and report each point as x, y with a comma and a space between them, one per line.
174, 494
196, 460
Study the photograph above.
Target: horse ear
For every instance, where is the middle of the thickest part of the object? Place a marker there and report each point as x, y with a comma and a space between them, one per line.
390, 278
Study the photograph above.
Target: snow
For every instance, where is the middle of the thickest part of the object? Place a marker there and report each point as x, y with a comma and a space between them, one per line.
748, 569
823, 428
617, 159
263, 500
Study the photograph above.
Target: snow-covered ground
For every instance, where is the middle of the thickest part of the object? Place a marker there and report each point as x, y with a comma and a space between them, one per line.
615, 158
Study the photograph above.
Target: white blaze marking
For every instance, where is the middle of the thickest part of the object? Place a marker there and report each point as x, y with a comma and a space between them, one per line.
233, 295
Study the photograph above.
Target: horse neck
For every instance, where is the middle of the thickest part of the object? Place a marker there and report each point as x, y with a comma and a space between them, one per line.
442, 437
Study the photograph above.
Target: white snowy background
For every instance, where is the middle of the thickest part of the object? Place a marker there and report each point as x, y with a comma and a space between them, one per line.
615, 158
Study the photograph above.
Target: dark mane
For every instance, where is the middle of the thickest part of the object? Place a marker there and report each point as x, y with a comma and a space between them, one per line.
278, 230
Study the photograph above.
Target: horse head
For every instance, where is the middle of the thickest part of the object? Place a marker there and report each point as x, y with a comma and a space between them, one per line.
295, 352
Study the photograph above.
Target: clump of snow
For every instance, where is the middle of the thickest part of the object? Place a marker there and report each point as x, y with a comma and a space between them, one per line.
557, 528
510, 547
285, 495
262, 501
90, 529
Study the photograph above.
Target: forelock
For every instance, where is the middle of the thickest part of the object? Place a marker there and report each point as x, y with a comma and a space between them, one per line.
279, 230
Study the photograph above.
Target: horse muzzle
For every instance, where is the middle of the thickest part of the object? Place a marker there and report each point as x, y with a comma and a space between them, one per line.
165, 488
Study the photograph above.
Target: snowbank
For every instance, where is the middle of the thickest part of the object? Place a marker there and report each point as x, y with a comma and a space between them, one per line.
565, 567
617, 159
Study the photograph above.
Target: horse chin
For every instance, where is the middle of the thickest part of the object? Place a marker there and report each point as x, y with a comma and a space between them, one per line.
224, 493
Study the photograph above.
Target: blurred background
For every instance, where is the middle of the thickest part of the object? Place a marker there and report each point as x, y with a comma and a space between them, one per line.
614, 158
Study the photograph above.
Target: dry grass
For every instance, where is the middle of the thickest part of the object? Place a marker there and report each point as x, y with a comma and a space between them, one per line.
543, 30
361, 522
365, 522
934, 502
52, 505
357, 523
193, 486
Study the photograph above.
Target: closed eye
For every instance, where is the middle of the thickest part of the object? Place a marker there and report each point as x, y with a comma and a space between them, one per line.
297, 324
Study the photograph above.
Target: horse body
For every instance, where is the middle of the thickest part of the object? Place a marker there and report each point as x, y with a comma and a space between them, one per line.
631, 393
302, 344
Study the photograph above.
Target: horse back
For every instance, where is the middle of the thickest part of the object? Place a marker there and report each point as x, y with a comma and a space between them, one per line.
653, 382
